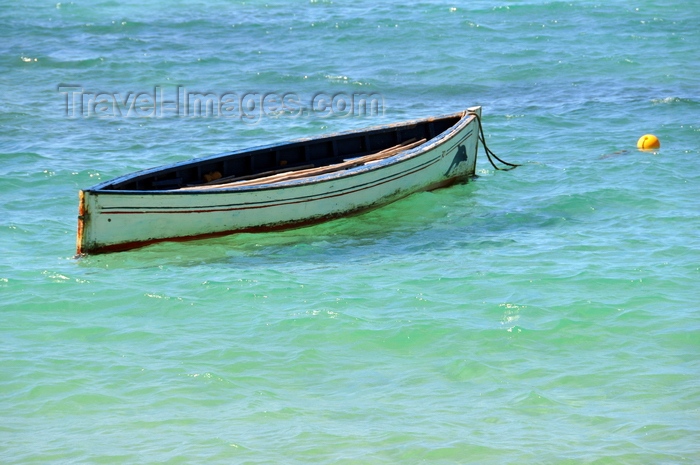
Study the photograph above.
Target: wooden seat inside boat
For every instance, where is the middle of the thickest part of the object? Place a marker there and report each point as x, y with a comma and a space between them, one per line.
287, 161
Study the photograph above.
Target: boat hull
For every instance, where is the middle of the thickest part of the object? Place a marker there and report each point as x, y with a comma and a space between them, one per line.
112, 220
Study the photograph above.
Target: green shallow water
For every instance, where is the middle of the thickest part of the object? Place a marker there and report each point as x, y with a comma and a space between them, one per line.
543, 315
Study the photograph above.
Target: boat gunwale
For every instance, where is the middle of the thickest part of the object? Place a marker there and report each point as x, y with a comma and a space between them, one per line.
465, 118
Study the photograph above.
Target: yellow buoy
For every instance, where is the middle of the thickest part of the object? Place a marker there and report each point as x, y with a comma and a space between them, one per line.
648, 142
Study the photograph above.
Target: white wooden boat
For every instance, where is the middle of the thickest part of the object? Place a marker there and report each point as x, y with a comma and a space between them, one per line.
278, 186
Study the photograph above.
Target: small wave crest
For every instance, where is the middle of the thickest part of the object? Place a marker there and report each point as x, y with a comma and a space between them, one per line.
671, 100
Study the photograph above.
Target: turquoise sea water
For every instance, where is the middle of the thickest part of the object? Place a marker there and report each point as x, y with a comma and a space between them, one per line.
547, 314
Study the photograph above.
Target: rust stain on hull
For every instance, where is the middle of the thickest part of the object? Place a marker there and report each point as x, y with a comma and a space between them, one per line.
81, 222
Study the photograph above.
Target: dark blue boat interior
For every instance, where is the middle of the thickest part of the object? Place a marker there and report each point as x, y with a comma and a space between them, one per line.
262, 161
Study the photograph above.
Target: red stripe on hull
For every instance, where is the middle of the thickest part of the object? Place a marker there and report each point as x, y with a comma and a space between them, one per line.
294, 202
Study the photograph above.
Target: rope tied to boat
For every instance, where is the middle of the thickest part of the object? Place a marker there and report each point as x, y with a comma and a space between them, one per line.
489, 153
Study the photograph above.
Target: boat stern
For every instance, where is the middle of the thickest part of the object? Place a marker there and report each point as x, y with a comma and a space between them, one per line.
81, 223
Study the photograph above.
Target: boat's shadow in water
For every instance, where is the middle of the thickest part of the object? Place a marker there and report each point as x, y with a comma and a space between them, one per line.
422, 225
